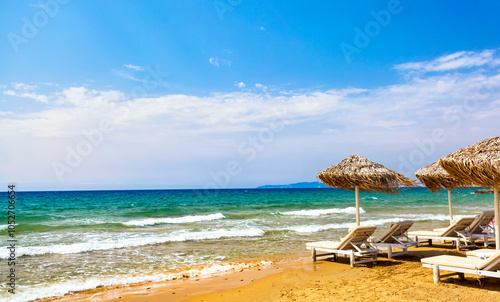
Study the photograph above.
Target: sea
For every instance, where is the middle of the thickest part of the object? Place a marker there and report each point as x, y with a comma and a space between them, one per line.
69, 241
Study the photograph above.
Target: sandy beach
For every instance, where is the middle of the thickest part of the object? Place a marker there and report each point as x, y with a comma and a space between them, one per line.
401, 279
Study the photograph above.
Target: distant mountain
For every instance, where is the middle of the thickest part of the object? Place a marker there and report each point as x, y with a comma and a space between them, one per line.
298, 185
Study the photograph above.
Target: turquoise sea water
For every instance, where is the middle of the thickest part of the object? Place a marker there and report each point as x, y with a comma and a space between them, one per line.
69, 241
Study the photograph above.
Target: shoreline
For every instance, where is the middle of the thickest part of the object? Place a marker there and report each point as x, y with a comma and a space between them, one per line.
300, 279
242, 273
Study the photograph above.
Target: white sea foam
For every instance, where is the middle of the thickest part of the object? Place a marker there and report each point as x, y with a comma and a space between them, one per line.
183, 219
24, 293
425, 217
314, 228
318, 212
107, 242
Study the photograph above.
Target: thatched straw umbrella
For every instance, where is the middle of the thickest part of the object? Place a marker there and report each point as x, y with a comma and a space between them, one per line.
480, 164
358, 173
435, 178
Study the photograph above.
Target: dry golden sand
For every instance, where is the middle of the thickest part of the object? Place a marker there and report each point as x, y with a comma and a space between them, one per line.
402, 279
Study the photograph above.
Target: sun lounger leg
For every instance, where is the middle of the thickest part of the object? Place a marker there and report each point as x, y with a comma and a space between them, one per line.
430, 242
351, 258
458, 244
389, 252
461, 276
313, 253
436, 274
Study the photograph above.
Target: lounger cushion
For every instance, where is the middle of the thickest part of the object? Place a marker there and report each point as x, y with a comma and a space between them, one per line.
491, 264
454, 261
324, 244
425, 233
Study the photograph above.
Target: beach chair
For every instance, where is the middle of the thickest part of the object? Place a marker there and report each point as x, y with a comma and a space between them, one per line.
480, 228
481, 253
394, 238
461, 265
355, 245
456, 232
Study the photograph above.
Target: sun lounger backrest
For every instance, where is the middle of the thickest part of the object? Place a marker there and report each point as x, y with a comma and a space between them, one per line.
356, 234
458, 225
482, 219
395, 230
492, 263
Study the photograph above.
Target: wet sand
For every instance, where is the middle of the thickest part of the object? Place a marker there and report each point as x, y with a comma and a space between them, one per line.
401, 279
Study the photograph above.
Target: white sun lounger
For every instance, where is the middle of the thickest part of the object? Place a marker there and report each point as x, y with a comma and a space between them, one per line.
481, 253
462, 265
395, 238
456, 232
479, 227
355, 245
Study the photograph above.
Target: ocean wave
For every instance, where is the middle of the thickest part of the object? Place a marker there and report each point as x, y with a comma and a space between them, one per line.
426, 217
315, 228
183, 219
61, 288
99, 243
318, 212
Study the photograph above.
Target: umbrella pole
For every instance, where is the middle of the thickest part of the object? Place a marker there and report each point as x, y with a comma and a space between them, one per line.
449, 204
356, 188
497, 219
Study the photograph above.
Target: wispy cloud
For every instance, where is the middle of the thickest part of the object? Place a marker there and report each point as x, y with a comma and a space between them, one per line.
399, 106
126, 75
30, 95
23, 86
457, 60
133, 67
260, 86
220, 62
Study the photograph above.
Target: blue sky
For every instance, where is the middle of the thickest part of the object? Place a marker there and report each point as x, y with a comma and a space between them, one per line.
230, 93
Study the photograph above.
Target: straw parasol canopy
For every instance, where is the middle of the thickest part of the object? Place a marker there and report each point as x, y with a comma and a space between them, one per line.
358, 173
480, 164
435, 178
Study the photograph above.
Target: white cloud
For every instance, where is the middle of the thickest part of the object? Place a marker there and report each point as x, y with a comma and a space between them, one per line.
220, 62
23, 86
408, 105
37, 97
262, 28
133, 67
240, 85
126, 75
458, 60
260, 86
214, 61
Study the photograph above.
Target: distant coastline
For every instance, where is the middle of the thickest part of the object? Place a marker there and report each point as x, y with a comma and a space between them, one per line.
297, 185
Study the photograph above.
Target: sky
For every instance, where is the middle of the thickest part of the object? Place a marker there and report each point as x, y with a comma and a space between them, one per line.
236, 93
